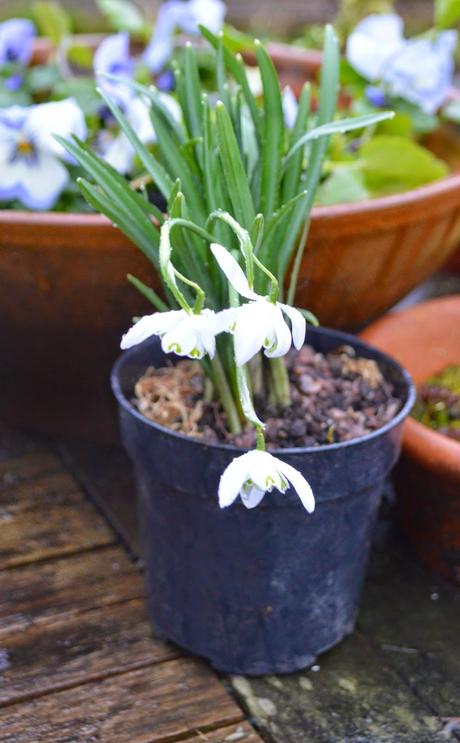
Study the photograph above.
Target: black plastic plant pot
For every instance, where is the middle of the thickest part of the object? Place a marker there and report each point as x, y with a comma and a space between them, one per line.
263, 590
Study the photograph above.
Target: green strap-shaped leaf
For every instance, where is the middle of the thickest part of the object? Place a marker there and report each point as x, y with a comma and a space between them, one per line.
273, 134
233, 170
151, 164
148, 293
293, 169
338, 127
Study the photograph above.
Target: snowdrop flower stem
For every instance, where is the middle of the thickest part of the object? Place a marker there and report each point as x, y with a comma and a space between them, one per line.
170, 273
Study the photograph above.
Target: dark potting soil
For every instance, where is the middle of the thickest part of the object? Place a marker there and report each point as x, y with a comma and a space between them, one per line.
335, 397
438, 403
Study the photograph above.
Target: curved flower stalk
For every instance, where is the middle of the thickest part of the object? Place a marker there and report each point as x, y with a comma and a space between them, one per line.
420, 70
256, 473
183, 15
16, 38
31, 167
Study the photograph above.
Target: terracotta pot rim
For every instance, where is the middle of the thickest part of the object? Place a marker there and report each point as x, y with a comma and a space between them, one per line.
307, 58
421, 442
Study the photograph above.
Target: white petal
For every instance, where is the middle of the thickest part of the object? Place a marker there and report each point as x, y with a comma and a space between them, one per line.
118, 152
233, 271
283, 337
58, 117
252, 497
299, 325
138, 115
37, 182
156, 324
290, 107
182, 339
299, 484
373, 42
232, 480
262, 467
251, 329
224, 320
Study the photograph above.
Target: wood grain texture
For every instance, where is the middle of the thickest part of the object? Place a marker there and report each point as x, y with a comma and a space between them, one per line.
70, 650
68, 586
48, 517
163, 702
242, 732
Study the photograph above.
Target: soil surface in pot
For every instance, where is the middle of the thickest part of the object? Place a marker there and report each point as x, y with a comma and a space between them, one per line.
438, 403
335, 397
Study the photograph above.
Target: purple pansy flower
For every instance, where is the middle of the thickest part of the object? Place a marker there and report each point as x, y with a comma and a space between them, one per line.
30, 158
185, 15
112, 57
419, 70
16, 37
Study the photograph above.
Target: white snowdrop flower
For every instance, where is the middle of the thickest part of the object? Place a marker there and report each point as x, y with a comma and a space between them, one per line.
260, 323
257, 472
183, 333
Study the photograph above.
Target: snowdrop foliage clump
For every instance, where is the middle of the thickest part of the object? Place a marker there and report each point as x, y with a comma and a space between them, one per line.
419, 70
239, 177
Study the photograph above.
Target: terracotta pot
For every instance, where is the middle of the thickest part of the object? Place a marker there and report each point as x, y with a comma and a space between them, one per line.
62, 273
425, 339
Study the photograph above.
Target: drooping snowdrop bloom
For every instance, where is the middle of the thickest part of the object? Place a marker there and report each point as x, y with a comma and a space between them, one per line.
186, 16
258, 324
116, 149
30, 158
257, 472
418, 70
112, 57
290, 107
16, 38
183, 333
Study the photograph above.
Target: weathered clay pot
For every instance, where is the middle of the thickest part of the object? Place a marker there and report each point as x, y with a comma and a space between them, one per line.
63, 285
425, 339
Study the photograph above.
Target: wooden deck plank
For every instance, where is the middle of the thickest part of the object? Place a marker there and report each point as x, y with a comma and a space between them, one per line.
352, 697
413, 620
67, 586
17, 470
160, 703
77, 649
48, 522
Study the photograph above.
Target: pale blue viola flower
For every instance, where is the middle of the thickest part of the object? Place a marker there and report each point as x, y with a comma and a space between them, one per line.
112, 57
376, 96
116, 148
255, 473
16, 39
185, 16
373, 42
290, 107
422, 71
31, 168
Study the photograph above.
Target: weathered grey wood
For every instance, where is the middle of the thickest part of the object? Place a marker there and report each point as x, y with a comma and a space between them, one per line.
70, 650
38, 520
413, 621
353, 697
106, 473
35, 593
163, 702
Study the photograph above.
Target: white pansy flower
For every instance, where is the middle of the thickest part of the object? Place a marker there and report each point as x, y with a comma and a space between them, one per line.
290, 107
183, 333
30, 158
257, 472
260, 323
116, 149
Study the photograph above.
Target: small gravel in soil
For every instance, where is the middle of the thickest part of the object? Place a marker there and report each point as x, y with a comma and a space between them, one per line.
335, 397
